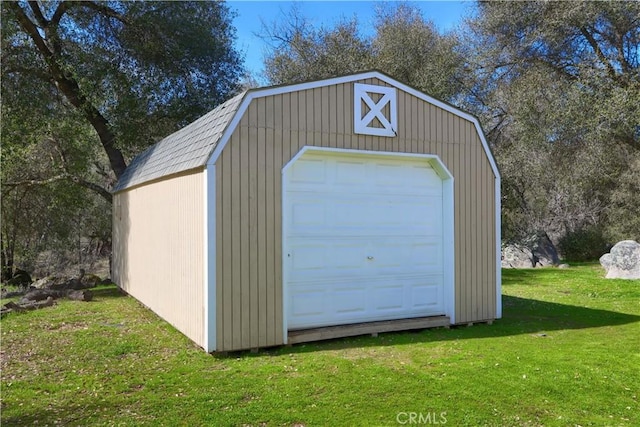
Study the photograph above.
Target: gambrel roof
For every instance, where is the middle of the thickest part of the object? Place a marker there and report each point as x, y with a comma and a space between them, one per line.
201, 142
186, 149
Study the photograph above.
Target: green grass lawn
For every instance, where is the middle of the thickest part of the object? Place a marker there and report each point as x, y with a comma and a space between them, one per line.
567, 352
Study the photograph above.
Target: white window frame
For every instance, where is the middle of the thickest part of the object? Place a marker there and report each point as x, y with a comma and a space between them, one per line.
362, 124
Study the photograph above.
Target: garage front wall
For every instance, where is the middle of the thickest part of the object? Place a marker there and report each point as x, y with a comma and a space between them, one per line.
248, 208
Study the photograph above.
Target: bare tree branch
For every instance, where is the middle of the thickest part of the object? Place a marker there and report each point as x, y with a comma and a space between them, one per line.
94, 187
601, 56
33, 182
103, 9
35, 7
104, 193
59, 13
71, 89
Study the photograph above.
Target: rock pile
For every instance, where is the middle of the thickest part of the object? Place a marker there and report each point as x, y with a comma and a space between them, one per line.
44, 292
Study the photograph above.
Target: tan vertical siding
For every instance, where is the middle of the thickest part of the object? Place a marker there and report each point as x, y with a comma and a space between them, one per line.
249, 191
158, 238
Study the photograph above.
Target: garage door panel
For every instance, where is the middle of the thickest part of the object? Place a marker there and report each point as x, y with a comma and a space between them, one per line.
309, 256
305, 213
350, 173
309, 171
347, 214
407, 179
427, 295
411, 256
350, 300
336, 302
308, 303
347, 255
426, 255
315, 258
363, 240
389, 298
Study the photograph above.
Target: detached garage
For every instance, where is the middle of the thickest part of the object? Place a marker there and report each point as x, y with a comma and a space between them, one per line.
330, 208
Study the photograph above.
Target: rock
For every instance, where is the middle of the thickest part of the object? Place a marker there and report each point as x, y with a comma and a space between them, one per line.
20, 278
47, 282
27, 305
39, 295
66, 283
13, 293
40, 304
74, 283
563, 266
606, 261
514, 256
536, 251
80, 295
90, 280
545, 252
623, 262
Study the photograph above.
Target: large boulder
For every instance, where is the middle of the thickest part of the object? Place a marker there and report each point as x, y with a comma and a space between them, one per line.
545, 252
623, 262
515, 256
539, 251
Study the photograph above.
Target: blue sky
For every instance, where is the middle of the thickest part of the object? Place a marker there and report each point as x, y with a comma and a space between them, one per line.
445, 15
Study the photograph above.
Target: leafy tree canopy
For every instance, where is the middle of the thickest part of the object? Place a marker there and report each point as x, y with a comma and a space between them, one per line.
85, 86
557, 85
404, 45
134, 71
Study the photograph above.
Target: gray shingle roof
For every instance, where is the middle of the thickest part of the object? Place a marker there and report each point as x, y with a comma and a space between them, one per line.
188, 148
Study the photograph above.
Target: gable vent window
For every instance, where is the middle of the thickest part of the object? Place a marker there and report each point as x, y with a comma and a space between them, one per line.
375, 110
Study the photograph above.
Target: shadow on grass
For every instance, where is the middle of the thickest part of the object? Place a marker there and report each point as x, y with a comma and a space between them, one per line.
547, 275
53, 415
530, 276
520, 316
108, 291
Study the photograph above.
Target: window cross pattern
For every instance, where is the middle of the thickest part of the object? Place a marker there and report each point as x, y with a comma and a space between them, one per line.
375, 110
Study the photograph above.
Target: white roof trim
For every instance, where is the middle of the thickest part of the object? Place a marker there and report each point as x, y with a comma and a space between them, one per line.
259, 93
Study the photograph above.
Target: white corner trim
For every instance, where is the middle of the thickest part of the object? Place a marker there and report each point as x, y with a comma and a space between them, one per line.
448, 245
362, 123
498, 248
285, 251
209, 257
224, 139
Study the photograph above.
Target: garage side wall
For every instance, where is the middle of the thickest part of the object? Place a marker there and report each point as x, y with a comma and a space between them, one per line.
158, 241
249, 201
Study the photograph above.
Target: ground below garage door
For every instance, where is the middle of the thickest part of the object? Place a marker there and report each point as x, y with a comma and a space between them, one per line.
363, 239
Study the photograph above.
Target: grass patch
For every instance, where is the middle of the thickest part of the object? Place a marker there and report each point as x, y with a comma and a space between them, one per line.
566, 353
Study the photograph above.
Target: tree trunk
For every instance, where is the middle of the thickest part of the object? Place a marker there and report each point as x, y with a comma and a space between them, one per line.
69, 86
6, 262
7, 265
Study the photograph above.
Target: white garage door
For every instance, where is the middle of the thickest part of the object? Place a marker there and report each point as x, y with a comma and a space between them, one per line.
363, 239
